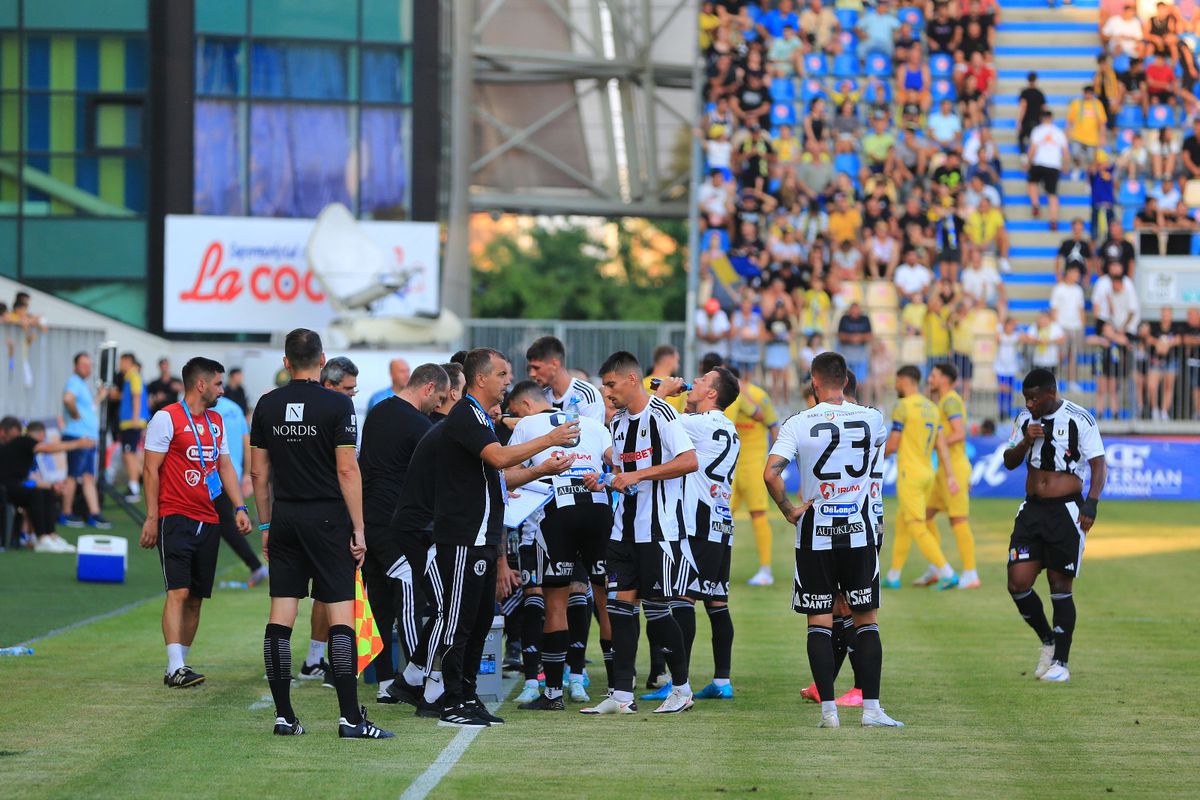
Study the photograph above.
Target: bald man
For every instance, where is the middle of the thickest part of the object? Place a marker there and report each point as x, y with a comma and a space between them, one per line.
398, 371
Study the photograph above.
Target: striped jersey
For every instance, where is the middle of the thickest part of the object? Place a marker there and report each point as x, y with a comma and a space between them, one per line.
1071, 439
706, 512
591, 404
838, 451
594, 441
640, 441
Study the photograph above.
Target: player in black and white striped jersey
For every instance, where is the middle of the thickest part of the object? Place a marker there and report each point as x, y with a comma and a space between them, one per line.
651, 453
1060, 444
546, 357
575, 527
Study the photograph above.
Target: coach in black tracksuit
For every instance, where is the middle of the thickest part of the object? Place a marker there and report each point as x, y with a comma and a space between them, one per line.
468, 525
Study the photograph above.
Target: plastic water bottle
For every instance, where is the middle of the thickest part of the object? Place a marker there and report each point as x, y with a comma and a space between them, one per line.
629, 491
16, 651
233, 585
571, 413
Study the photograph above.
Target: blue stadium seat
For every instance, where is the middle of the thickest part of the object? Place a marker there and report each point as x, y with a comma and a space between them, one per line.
1120, 63
1124, 138
1131, 194
815, 65
915, 17
783, 89
846, 65
941, 65
848, 163
811, 89
879, 94
847, 18
1160, 117
783, 114
943, 89
879, 66
849, 40
1128, 217
1131, 117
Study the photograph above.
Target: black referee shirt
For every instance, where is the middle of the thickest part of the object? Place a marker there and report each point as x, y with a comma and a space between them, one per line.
468, 500
300, 425
390, 435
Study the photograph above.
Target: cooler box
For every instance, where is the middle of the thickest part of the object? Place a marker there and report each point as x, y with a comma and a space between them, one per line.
101, 559
492, 661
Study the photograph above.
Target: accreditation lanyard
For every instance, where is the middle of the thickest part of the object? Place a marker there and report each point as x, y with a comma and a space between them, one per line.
211, 480
488, 419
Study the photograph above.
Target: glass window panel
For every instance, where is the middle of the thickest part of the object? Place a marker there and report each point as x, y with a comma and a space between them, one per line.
124, 300
384, 162
220, 67
118, 126
10, 60
386, 75
219, 183
304, 19
298, 71
110, 15
8, 244
84, 248
221, 16
10, 122
10, 190
300, 158
56, 123
387, 21
8, 13
85, 186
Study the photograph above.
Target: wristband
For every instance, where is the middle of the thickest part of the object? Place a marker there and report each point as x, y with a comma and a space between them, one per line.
266, 526
1089, 507
241, 508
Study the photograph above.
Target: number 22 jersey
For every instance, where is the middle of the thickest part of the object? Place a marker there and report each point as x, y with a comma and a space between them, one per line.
838, 449
706, 512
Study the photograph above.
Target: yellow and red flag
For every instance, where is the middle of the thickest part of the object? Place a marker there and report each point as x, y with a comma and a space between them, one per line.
366, 635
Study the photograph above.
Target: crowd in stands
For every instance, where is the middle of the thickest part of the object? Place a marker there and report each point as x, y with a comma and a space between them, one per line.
853, 198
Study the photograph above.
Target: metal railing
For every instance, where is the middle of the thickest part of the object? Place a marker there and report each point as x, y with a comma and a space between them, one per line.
36, 367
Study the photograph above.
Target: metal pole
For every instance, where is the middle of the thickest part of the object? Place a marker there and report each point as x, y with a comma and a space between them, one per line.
690, 357
457, 265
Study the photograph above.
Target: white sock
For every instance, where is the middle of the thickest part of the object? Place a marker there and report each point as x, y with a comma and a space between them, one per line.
413, 676
383, 686
134, 488
720, 681
969, 576
187, 648
828, 708
683, 688
174, 657
553, 694
532, 684
433, 687
946, 572
870, 705
893, 575
622, 697
316, 652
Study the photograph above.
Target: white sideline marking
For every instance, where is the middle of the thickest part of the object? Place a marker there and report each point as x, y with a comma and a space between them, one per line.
266, 701
428, 780
97, 618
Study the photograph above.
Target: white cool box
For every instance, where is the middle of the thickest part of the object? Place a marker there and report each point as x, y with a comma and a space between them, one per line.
101, 559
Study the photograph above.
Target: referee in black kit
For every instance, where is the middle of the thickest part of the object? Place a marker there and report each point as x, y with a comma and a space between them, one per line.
303, 438
468, 524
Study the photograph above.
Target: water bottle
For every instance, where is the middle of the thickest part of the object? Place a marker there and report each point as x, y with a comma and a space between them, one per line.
234, 585
571, 414
16, 651
656, 382
630, 490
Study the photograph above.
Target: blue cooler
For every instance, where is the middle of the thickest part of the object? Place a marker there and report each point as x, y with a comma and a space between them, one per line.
101, 559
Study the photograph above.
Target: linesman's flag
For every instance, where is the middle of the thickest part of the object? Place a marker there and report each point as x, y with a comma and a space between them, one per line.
366, 635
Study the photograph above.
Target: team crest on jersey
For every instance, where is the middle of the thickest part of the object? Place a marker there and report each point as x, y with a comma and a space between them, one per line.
480, 567
192, 476
829, 415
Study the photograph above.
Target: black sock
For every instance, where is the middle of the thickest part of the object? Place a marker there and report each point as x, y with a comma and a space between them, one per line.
839, 645
685, 615
1030, 606
345, 676
533, 621
1064, 625
850, 634
820, 659
554, 655
277, 656
625, 624
579, 626
868, 650
606, 648
658, 659
662, 627
722, 640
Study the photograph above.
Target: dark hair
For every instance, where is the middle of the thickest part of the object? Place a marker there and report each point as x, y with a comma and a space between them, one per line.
303, 348
1040, 380
234, 371
430, 373
200, 367
79, 355
727, 387
459, 358
453, 371
831, 368
336, 369
478, 362
663, 351
545, 349
909, 371
734, 371
621, 361
947, 369
524, 388
851, 387
9, 423
711, 361
35, 427
1047, 113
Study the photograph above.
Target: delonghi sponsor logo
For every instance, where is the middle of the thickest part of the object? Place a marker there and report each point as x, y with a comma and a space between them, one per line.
849, 529
837, 509
578, 472
210, 454
723, 511
877, 509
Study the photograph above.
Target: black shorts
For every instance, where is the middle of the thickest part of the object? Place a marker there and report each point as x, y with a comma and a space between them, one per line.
187, 550
1114, 361
573, 534
1046, 176
820, 574
963, 363
527, 563
653, 569
1047, 530
131, 439
709, 561
311, 542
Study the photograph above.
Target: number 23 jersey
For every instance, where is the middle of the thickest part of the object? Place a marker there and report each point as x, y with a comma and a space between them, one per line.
706, 512
838, 450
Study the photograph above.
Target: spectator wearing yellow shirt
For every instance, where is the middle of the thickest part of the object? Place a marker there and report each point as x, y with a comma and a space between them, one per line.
709, 22
1086, 131
986, 234
815, 310
666, 365
845, 221
878, 145
962, 344
936, 330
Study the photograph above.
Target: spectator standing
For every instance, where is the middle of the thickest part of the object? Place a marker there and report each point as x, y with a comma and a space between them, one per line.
1030, 105
237, 437
747, 338
134, 414
1046, 336
1086, 130
81, 421
1048, 153
936, 330
164, 389
983, 284
712, 328
1007, 364
987, 235
1164, 343
398, 372
1074, 252
1100, 177
1067, 308
778, 312
235, 390
854, 337
1191, 347
1108, 88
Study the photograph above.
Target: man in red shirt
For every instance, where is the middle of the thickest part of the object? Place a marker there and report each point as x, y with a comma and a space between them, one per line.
985, 74
187, 467
1160, 82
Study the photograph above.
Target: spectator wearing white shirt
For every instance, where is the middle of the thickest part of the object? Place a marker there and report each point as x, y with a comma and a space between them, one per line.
1007, 364
1114, 300
1047, 337
976, 190
983, 283
1166, 193
1123, 33
1048, 152
912, 278
715, 199
1067, 306
712, 328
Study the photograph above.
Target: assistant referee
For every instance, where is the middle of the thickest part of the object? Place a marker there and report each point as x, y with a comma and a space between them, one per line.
303, 438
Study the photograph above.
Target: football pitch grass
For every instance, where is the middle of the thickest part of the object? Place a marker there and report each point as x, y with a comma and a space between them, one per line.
88, 716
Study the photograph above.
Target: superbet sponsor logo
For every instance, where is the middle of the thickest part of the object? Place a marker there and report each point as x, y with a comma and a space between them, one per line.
218, 283
636, 455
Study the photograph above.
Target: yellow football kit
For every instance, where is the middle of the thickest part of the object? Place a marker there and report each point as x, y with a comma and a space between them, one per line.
957, 506
748, 485
918, 421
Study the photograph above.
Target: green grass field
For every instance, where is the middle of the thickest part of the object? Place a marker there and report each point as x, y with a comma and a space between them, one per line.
87, 716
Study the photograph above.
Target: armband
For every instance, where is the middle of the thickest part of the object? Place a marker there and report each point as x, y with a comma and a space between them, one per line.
266, 526
1089, 507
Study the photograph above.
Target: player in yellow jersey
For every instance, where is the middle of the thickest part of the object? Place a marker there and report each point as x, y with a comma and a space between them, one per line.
916, 433
754, 416
958, 506
666, 365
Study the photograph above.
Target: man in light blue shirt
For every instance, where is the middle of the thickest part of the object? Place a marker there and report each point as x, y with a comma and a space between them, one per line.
237, 436
81, 421
877, 30
398, 372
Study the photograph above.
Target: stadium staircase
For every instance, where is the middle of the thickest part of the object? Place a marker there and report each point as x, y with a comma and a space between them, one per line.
1061, 45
